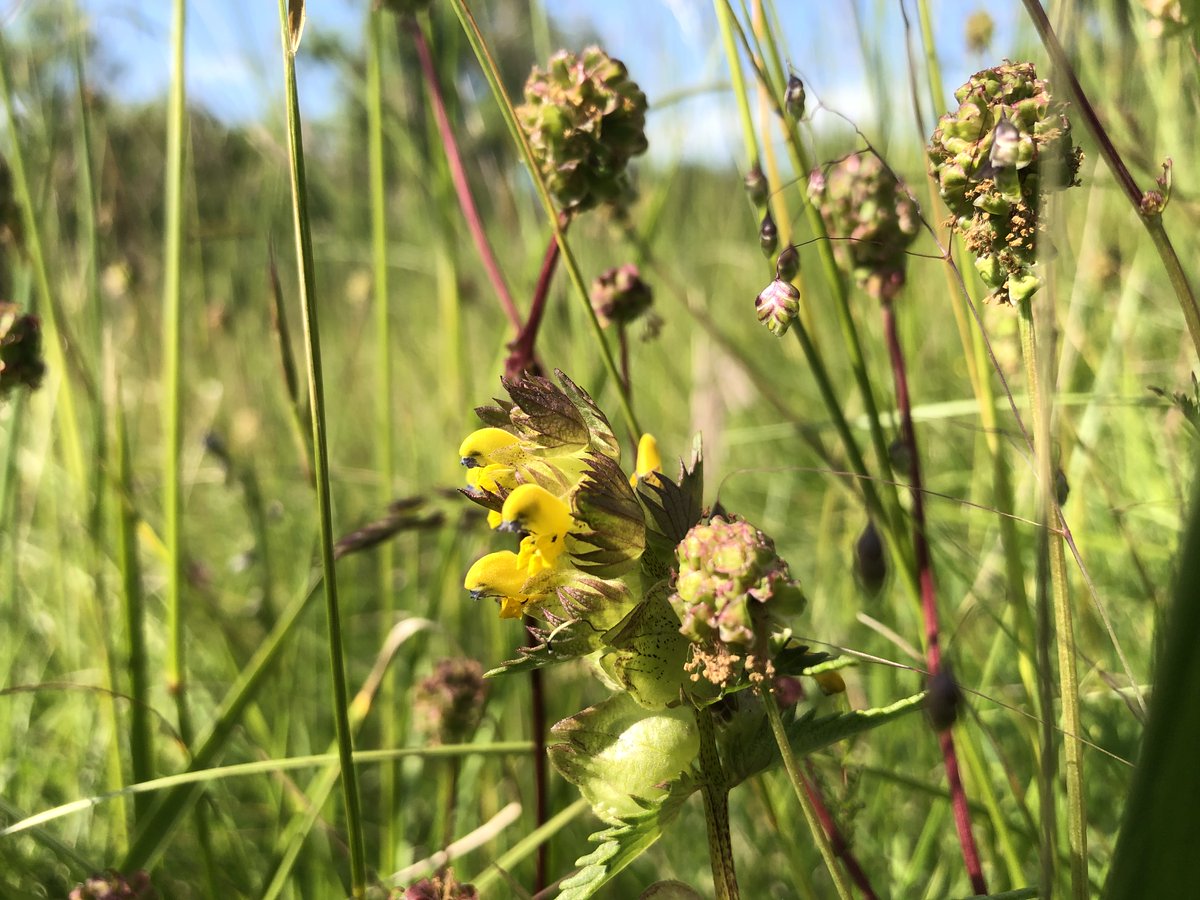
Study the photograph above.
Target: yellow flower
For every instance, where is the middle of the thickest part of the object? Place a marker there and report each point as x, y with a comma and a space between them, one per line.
499, 576
485, 446
547, 519
649, 462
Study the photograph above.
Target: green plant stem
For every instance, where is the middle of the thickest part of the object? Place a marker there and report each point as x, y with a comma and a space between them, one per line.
1151, 220
141, 734
715, 791
389, 795
1052, 568
57, 342
306, 276
799, 786
172, 420
492, 73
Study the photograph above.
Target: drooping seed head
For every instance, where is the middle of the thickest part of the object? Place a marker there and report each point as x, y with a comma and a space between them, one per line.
778, 305
619, 295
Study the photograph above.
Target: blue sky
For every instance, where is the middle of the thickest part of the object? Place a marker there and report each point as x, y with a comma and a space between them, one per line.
234, 68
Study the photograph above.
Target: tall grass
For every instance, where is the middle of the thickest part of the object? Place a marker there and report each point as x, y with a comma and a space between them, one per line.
130, 549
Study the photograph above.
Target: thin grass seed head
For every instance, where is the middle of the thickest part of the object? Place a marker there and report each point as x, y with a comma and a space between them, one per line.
794, 98
619, 295
585, 119
787, 265
778, 305
756, 185
1008, 140
873, 217
768, 235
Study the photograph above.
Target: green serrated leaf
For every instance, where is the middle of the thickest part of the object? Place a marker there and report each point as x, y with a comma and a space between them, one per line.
648, 652
545, 416
613, 533
600, 434
621, 845
748, 747
672, 508
623, 757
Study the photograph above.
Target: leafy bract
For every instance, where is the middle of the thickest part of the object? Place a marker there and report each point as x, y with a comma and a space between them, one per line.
621, 756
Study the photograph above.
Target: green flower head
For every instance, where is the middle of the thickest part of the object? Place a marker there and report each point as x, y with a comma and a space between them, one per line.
585, 119
1008, 140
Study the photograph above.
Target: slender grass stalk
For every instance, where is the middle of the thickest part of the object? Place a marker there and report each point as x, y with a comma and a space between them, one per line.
154, 832
141, 733
1151, 219
1052, 556
833, 274
522, 351
306, 275
801, 788
715, 792
258, 768
58, 341
385, 466
172, 421
492, 73
98, 489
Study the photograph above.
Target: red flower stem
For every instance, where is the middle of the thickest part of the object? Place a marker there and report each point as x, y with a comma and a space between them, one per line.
520, 357
933, 650
837, 840
458, 174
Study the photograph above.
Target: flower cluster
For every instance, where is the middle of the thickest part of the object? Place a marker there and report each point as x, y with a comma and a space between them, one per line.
1008, 140
867, 205
585, 119
672, 606
728, 572
547, 467
450, 702
619, 295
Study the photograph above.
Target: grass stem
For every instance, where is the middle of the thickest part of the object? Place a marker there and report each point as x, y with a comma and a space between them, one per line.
306, 275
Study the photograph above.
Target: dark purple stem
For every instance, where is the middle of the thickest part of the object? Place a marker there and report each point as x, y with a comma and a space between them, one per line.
521, 350
933, 650
837, 840
537, 690
458, 174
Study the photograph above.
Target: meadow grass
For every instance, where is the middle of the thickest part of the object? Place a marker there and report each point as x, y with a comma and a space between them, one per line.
172, 506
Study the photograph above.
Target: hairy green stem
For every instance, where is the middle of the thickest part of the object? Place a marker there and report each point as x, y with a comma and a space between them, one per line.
799, 786
715, 792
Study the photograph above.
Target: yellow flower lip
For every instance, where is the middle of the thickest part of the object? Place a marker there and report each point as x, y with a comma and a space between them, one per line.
478, 446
